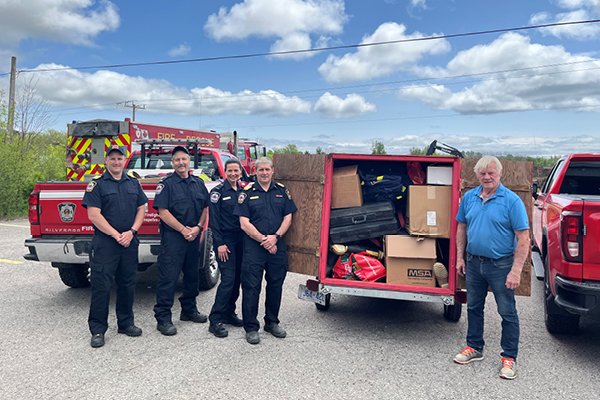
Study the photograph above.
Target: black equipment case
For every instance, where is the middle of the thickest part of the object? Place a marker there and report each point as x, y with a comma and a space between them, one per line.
366, 222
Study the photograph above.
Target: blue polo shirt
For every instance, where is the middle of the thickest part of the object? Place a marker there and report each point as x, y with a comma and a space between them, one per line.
491, 225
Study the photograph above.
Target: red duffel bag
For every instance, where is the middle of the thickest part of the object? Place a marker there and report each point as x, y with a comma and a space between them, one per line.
367, 268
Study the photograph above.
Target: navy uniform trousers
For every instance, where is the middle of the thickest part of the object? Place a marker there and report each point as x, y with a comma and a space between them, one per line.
256, 260
229, 288
177, 255
110, 262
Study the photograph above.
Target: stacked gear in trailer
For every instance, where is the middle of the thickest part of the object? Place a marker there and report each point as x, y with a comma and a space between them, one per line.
87, 142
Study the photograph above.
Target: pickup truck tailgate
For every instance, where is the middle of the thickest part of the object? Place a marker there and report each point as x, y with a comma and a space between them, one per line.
61, 212
591, 247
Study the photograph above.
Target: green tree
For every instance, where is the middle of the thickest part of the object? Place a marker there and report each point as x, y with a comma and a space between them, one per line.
378, 147
288, 149
319, 150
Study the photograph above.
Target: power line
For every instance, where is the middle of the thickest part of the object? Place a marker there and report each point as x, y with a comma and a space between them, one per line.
319, 49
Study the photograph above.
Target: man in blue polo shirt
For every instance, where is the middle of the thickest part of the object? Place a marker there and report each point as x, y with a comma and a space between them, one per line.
494, 229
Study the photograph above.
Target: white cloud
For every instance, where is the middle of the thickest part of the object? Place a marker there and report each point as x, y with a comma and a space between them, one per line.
181, 50
418, 3
76, 88
69, 21
577, 10
575, 84
375, 61
334, 106
291, 22
293, 41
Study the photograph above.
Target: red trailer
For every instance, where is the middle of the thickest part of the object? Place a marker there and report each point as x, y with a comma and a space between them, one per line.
310, 180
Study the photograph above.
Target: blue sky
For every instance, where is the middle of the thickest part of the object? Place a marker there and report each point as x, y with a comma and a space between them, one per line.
531, 92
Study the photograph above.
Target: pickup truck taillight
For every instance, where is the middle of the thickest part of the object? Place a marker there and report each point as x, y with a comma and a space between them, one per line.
34, 204
571, 233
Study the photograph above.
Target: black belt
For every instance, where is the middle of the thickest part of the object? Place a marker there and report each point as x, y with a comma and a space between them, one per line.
487, 259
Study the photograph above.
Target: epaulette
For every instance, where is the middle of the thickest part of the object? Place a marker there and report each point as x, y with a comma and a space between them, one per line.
219, 186
163, 178
132, 174
280, 184
249, 186
97, 177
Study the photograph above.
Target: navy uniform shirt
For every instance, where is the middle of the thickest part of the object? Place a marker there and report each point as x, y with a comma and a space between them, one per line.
117, 200
265, 209
223, 223
184, 198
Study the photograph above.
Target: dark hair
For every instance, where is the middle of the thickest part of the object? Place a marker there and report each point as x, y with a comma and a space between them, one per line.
233, 161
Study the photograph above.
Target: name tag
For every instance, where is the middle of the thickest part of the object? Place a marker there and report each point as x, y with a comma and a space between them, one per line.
226, 198
254, 197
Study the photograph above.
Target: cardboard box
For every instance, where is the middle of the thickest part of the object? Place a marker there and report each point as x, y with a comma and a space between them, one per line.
429, 210
439, 175
346, 190
409, 260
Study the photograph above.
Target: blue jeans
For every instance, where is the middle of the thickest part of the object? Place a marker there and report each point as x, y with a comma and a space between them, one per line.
481, 273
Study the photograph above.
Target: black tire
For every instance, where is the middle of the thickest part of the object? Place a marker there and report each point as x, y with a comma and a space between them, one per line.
74, 275
453, 312
324, 307
558, 321
208, 266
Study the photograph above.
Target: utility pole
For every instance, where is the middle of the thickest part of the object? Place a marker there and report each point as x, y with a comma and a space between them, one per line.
131, 104
11, 96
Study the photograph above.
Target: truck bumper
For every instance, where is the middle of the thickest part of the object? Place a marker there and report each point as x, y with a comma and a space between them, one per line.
76, 250
577, 297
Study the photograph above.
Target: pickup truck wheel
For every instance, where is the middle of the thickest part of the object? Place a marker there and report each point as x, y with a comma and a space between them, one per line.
324, 307
74, 275
557, 321
453, 312
208, 267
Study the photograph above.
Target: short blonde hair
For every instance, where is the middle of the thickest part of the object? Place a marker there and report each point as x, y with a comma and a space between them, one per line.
485, 161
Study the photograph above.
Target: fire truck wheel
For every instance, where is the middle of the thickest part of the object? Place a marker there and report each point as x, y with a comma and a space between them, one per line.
208, 265
452, 312
73, 275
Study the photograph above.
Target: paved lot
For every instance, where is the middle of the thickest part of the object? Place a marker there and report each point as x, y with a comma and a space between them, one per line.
359, 349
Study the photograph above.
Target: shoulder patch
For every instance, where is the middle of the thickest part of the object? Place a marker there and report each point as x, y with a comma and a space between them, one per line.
242, 197
280, 184
287, 191
249, 186
132, 174
90, 187
214, 196
159, 188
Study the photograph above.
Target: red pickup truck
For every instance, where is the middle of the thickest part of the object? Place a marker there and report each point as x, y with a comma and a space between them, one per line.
566, 233
61, 232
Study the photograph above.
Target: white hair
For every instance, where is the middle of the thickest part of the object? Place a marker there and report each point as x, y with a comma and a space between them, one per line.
264, 160
485, 161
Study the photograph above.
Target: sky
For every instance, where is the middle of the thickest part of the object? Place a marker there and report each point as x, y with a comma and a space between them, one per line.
512, 91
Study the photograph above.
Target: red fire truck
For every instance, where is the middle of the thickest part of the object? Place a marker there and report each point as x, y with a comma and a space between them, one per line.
88, 140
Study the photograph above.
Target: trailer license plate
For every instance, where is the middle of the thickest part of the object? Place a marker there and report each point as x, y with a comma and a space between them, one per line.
307, 294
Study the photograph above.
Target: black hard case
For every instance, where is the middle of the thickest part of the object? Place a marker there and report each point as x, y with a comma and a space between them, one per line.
366, 222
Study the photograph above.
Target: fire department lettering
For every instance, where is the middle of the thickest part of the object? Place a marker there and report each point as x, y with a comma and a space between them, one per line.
67, 211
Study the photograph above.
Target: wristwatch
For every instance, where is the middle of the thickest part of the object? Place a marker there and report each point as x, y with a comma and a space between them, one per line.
133, 231
278, 236
201, 227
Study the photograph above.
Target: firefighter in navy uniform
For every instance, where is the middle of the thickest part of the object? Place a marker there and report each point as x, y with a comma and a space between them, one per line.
228, 243
265, 209
182, 203
115, 205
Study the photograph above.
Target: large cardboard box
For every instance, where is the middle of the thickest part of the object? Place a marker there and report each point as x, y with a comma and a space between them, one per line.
409, 260
346, 191
439, 175
429, 210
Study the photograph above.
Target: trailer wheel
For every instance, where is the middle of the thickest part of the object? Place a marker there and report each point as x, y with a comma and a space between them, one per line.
557, 320
453, 312
73, 275
208, 267
324, 307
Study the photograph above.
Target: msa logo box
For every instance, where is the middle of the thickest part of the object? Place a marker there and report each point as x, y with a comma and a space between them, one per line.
409, 260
